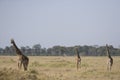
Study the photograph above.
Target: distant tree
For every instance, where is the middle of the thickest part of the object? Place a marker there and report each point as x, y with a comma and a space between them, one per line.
12, 50
43, 51
70, 51
36, 49
23, 49
7, 50
101, 51
49, 51
63, 51
58, 50
1, 51
92, 51
26, 50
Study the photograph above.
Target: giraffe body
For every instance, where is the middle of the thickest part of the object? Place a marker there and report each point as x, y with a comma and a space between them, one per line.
109, 63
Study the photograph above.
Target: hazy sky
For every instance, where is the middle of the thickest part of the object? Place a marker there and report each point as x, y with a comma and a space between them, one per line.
60, 22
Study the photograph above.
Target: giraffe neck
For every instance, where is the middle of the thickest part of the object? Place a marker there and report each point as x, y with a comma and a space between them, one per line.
108, 53
17, 49
109, 56
77, 53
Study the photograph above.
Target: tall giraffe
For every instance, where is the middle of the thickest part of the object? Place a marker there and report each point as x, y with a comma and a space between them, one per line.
22, 58
78, 57
110, 59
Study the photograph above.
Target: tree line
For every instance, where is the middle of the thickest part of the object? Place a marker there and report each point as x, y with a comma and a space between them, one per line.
37, 50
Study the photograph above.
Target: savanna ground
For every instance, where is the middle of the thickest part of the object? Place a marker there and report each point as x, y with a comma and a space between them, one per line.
59, 68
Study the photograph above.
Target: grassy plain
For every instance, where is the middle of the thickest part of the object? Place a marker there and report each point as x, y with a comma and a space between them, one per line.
59, 68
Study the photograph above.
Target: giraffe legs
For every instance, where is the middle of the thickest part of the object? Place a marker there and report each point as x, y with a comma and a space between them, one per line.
25, 64
78, 62
25, 67
109, 65
19, 64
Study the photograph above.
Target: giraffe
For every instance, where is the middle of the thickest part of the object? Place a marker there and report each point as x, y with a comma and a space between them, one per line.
22, 59
110, 59
78, 58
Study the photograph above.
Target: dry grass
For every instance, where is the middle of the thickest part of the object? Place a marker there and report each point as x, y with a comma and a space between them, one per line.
59, 68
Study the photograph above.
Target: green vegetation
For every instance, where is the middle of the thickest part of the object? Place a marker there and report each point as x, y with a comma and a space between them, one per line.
37, 50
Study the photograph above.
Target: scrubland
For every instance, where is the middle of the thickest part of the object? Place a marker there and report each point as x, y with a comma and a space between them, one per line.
59, 68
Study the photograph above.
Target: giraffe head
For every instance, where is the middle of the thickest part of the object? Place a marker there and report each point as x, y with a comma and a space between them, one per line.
12, 40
